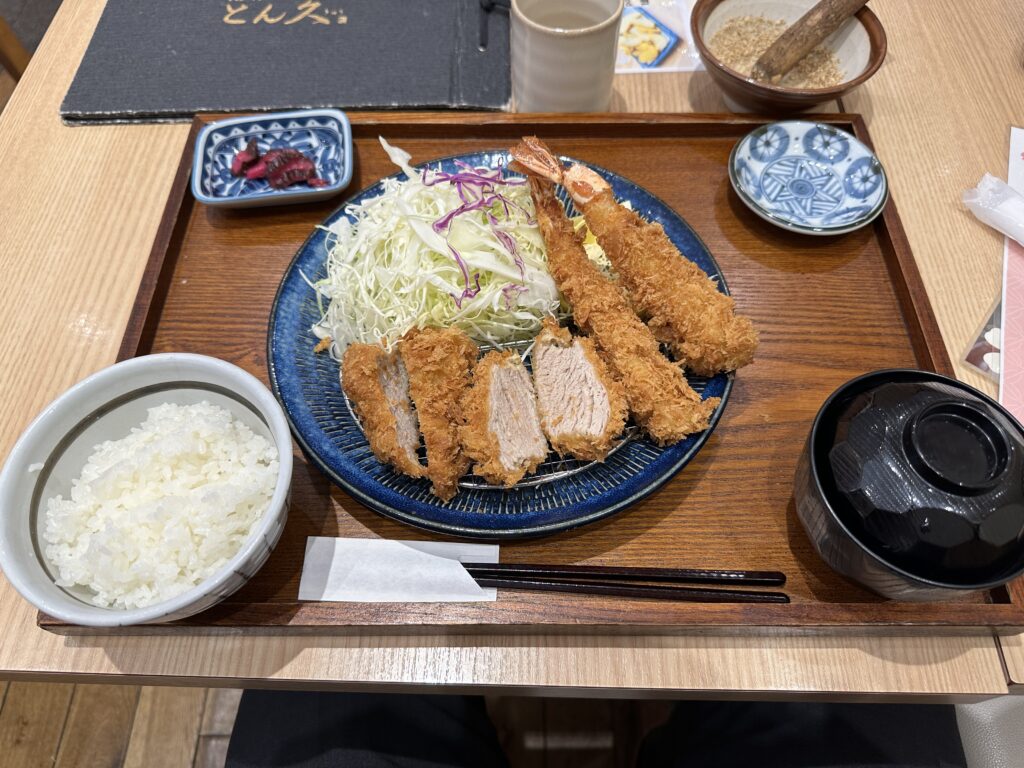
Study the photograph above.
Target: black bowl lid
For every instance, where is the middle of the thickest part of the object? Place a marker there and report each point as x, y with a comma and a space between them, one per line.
938, 495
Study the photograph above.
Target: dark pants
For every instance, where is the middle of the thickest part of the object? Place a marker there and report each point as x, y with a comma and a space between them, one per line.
278, 729
315, 730
776, 735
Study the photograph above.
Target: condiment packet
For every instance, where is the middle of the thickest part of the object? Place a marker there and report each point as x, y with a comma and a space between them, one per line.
997, 204
386, 571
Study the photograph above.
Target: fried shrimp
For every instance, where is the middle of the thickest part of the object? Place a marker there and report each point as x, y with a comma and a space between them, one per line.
439, 361
679, 302
378, 386
659, 397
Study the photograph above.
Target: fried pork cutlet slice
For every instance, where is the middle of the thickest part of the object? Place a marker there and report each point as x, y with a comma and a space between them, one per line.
681, 304
502, 431
439, 361
582, 406
378, 386
659, 397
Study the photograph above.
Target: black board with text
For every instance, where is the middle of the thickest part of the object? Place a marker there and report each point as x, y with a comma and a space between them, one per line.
162, 60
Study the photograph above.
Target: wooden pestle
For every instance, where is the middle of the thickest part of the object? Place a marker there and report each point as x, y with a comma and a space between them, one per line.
798, 40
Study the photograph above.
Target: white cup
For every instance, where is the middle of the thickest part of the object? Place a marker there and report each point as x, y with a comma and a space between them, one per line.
563, 54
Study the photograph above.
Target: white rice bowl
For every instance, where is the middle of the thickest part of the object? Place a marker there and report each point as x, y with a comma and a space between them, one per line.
49, 460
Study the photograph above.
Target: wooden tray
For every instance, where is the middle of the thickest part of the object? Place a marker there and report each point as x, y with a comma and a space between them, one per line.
827, 310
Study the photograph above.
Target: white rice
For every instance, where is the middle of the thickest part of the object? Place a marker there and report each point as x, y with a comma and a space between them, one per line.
158, 511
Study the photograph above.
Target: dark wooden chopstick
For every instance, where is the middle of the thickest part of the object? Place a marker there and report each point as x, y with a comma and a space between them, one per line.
588, 587
626, 573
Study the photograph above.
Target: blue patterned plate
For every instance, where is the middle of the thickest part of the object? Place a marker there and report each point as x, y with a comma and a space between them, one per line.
322, 135
808, 177
563, 494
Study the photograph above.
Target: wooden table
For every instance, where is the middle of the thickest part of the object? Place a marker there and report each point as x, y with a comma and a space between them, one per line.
79, 209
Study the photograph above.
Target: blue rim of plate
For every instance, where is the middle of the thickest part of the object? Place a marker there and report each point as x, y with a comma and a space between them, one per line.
784, 222
308, 387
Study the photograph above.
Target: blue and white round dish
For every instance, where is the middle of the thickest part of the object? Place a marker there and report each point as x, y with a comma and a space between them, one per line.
563, 494
808, 177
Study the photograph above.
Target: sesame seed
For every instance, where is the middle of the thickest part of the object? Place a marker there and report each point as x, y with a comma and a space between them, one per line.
741, 40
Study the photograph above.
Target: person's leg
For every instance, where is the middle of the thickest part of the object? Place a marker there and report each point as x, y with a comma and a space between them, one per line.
362, 730
804, 735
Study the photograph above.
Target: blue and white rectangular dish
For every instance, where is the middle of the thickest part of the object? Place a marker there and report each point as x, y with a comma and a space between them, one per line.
323, 135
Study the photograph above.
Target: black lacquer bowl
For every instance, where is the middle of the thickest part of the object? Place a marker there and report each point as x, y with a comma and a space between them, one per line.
911, 484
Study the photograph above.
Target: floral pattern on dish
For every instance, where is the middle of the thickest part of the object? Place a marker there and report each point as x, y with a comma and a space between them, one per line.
826, 144
768, 143
801, 187
863, 177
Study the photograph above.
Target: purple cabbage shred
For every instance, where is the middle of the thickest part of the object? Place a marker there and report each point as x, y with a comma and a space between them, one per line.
511, 293
476, 189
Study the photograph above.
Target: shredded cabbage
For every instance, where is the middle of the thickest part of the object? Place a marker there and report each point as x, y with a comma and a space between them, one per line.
594, 250
437, 249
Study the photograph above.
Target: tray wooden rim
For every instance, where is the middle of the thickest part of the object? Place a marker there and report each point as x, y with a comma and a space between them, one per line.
322, 618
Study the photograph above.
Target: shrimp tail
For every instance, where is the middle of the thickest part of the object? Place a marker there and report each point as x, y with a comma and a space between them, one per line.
535, 158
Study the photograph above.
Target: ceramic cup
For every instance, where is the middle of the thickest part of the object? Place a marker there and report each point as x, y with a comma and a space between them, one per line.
563, 54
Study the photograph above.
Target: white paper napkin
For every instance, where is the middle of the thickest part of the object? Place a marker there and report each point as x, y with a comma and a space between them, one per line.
385, 571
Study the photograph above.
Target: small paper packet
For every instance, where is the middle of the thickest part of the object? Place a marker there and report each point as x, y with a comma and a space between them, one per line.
384, 571
997, 204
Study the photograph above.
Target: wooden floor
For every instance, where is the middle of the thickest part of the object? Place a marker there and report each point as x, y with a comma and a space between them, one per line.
44, 725
86, 726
